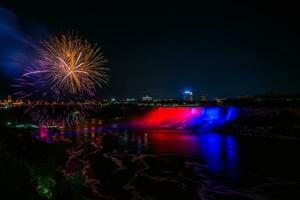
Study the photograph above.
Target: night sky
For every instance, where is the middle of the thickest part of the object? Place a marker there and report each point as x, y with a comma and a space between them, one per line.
220, 48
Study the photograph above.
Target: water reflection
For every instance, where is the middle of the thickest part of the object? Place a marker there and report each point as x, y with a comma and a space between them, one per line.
218, 151
43, 132
222, 164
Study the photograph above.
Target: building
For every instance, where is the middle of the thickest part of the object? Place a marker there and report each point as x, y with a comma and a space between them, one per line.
202, 98
147, 98
219, 100
242, 97
130, 100
188, 95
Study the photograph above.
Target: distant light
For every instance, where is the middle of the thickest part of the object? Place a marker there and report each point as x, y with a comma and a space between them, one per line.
113, 99
187, 92
8, 123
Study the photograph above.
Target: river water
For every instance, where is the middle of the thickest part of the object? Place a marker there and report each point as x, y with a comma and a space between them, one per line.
224, 166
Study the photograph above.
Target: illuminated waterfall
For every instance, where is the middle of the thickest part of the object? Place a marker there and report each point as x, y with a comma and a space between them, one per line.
184, 117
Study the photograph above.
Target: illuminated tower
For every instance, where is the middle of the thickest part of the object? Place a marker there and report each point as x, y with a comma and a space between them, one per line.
188, 95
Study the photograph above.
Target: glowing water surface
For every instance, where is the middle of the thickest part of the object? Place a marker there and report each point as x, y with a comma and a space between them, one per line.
226, 164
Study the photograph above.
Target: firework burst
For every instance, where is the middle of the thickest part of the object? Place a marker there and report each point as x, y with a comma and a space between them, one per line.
66, 69
69, 65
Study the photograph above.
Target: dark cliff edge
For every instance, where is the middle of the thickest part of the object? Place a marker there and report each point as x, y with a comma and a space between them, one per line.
270, 122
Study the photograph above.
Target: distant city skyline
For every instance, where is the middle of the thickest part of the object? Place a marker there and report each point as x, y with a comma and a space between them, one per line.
225, 50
